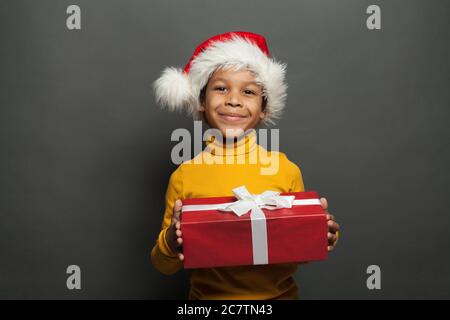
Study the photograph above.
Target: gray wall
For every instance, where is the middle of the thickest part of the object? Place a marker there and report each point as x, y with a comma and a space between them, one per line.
85, 152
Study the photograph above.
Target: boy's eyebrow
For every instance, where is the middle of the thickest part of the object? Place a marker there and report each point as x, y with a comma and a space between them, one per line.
225, 80
219, 79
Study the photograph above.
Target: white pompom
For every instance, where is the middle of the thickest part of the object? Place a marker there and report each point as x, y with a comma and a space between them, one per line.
173, 90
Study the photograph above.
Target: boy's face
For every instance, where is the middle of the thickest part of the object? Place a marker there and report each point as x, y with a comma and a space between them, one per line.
233, 102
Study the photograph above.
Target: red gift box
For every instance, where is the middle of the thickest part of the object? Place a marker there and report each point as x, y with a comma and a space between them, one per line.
216, 238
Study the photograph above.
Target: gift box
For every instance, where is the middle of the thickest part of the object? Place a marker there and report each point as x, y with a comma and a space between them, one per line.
249, 229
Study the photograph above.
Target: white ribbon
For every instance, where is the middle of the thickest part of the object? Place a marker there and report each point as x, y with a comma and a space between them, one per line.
270, 200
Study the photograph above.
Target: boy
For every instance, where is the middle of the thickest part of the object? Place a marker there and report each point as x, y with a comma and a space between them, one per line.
233, 85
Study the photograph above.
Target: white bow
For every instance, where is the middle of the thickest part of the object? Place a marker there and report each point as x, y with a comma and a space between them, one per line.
267, 200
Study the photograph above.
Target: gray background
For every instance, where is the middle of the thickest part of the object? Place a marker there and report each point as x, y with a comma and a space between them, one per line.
85, 152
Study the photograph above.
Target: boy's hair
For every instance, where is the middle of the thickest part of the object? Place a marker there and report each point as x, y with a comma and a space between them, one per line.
182, 89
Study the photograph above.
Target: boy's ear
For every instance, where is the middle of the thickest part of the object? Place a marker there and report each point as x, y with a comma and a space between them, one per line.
201, 107
262, 115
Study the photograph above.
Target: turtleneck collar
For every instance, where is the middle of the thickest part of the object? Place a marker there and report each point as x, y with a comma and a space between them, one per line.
241, 145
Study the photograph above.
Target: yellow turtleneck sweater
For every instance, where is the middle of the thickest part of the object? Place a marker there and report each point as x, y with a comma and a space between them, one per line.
215, 172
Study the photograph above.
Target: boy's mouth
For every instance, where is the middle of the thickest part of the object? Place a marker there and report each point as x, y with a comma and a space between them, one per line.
232, 116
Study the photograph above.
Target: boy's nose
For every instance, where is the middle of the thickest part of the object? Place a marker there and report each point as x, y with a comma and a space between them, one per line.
233, 100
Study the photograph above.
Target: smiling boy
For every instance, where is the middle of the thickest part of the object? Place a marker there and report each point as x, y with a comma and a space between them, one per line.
233, 85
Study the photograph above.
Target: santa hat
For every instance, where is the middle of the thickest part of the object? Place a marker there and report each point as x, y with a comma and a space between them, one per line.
179, 89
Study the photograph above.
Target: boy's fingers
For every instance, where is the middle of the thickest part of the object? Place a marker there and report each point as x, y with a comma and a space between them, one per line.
331, 238
178, 233
333, 226
324, 203
176, 216
330, 248
181, 256
180, 241
178, 225
177, 209
331, 217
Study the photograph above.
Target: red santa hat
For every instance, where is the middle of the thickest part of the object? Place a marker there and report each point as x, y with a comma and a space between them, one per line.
179, 89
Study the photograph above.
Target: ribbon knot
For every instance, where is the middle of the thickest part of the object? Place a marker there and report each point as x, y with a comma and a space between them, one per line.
267, 200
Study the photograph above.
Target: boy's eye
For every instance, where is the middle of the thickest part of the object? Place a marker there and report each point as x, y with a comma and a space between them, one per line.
249, 92
219, 88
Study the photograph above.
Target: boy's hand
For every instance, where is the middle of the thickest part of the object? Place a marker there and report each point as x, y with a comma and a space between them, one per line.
173, 234
333, 227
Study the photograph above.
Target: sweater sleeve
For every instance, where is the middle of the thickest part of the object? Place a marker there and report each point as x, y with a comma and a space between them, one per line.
297, 180
162, 257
